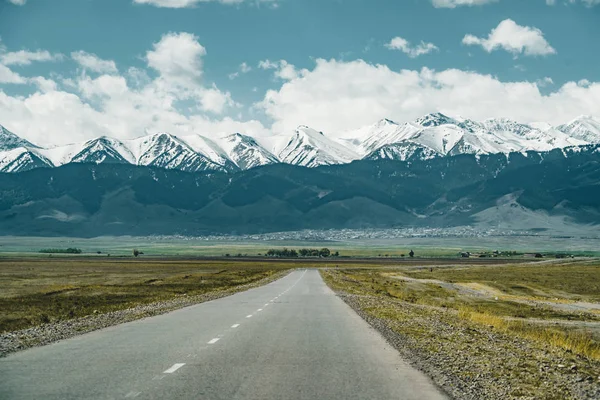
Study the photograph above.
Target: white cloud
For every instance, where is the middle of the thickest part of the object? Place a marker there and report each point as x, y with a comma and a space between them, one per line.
84, 106
18, 2
283, 69
399, 43
514, 38
214, 100
43, 84
25, 57
337, 96
192, 3
178, 58
8, 76
244, 68
546, 81
588, 3
94, 63
458, 3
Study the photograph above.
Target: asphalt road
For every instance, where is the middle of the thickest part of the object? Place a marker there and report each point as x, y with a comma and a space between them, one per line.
291, 339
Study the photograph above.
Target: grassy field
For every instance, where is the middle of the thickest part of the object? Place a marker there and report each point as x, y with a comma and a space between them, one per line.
35, 290
11, 246
527, 321
39, 288
570, 281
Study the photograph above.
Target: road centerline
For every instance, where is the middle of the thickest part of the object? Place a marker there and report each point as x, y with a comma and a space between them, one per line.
174, 368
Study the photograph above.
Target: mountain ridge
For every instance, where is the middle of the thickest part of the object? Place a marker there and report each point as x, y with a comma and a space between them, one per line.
122, 199
433, 135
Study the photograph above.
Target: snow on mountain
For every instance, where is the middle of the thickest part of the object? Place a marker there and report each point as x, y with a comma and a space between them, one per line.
211, 150
21, 159
433, 135
167, 151
520, 137
403, 151
245, 151
439, 134
10, 141
369, 138
585, 128
310, 148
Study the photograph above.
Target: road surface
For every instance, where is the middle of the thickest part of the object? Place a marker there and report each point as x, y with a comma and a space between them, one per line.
290, 339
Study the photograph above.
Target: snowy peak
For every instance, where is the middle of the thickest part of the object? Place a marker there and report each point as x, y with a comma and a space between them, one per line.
246, 152
10, 141
383, 123
369, 138
22, 159
506, 125
167, 151
435, 119
586, 128
101, 150
310, 148
433, 135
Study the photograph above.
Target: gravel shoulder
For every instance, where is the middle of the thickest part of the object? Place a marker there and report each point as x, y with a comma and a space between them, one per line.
469, 360
44, 334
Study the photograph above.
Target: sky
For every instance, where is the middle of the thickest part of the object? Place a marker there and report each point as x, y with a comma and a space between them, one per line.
72, 70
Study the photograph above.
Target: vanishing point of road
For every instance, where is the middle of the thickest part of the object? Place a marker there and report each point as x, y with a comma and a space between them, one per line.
290, 339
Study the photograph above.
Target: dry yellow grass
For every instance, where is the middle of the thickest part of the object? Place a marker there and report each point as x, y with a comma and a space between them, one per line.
577, 342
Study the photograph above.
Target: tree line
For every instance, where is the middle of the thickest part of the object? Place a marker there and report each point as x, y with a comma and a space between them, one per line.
293, 253
70, 250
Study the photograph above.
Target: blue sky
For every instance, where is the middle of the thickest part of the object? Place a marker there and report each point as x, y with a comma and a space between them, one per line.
76, 69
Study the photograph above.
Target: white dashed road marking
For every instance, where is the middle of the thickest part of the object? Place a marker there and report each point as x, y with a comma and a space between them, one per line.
174, 368
213, 341
249, 316
235, 326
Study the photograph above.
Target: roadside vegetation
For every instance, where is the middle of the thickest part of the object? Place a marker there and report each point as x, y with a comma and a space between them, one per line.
39, 291
70, 250
511, 331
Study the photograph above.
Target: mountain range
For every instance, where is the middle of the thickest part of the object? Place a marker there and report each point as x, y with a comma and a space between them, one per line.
431, 136
556, 191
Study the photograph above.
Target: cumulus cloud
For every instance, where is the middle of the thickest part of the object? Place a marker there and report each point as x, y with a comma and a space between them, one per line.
458, 3
514, 38
94, 63
26, 57
18, 2
283, 69
337, 96
9, 76
178, 58
244, 68
399, 43
123, 106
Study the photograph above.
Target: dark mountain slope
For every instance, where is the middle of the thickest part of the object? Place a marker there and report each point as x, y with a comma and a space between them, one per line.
120, 199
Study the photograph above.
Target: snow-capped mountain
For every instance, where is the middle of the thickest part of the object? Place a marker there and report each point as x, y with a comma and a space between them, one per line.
21, 159
585, 128
370, 138
433, 135
10, 141
439, 135
310, 148
245, 151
